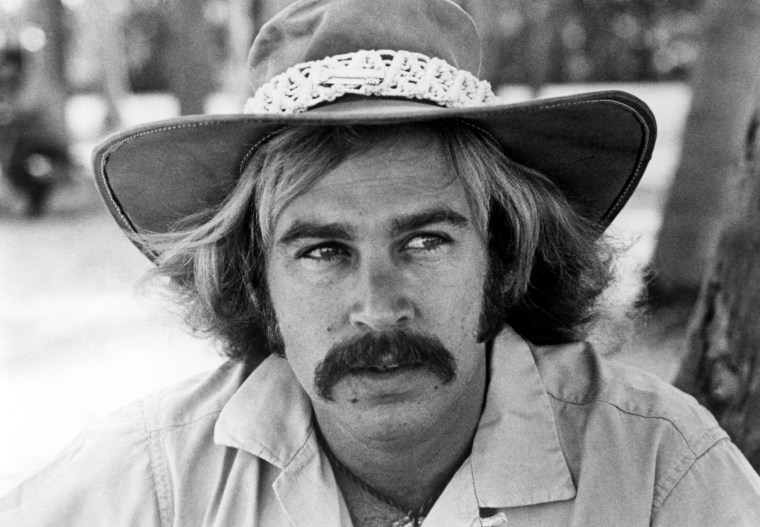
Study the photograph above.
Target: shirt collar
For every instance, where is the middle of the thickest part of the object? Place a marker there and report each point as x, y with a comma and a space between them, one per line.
516, 456
269, 416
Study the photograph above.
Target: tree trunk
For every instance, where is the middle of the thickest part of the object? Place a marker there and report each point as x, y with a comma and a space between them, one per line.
721, 368
540, 32
48, 91
724, 87
114, 73
192, 73
241, 30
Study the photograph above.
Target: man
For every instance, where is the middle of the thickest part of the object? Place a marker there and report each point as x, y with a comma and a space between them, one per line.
402, 269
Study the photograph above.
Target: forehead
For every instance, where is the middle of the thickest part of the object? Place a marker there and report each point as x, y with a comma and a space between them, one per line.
371, 188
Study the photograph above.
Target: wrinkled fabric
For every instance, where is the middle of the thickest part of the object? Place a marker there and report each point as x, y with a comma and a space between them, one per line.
566, 439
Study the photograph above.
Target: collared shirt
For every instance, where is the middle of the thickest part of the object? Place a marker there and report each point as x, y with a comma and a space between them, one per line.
565, 439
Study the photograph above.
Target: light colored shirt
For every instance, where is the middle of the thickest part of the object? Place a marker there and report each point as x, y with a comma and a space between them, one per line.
566, 439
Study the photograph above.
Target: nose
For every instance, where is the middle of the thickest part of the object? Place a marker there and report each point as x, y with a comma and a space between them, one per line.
380, 299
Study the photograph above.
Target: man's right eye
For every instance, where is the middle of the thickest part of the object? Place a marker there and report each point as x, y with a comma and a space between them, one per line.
326, 252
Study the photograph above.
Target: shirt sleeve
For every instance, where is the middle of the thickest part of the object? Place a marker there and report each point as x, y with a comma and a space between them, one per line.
720, 488
103, 478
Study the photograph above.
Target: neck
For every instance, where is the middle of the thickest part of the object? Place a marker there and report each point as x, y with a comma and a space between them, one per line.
414, 462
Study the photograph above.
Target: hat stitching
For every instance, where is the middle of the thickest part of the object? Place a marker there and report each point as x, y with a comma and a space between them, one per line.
611, 211
635, 175
631, 182
111, 197
617, 205
481, 130
117, 145
251, 150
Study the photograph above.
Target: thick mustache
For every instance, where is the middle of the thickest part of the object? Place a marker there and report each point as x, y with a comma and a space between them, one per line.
379, 349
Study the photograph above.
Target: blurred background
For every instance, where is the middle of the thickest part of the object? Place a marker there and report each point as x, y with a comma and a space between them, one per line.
79, 337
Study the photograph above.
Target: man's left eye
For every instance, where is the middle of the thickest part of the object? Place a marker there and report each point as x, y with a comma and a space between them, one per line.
326, 252
424, 242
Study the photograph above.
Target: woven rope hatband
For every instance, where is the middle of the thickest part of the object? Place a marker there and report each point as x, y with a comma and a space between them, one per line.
383, 73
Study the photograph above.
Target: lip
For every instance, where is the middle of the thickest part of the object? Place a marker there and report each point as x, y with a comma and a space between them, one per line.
371, 388
390, 373
386, 385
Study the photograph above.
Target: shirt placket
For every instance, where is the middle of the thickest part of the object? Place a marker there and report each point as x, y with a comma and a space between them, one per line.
458, 504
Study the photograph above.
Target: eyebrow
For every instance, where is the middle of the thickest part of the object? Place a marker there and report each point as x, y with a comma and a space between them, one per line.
418, 220
340, 231
307, 229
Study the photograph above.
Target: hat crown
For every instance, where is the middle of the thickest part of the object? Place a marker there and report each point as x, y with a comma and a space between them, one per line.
314, 29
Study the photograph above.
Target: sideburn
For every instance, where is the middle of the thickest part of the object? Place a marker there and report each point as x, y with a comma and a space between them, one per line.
496, 300
266, 319
498, 294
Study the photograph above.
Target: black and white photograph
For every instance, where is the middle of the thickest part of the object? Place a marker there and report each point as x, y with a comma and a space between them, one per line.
379, 263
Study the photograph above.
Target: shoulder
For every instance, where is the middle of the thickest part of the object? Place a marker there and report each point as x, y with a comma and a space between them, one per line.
631, 430
193, 403
576, 375
196, 400
113, 472
719, 488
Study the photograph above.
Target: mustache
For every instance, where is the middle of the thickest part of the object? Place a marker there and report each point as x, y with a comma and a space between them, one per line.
376, 349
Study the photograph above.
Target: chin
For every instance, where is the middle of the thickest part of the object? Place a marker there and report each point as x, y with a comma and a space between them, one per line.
393, 426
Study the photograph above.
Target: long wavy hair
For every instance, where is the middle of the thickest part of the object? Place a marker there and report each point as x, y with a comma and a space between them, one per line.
548, 265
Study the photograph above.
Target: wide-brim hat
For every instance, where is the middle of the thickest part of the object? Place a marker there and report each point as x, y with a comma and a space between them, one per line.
373, 62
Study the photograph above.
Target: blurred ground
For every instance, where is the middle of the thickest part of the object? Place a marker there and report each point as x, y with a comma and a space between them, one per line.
78, 340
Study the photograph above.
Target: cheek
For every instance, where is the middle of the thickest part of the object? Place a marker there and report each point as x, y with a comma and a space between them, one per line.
299, 328
456, 297
307, 307
305, 314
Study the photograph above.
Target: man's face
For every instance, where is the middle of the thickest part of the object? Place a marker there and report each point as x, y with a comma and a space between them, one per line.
384, 246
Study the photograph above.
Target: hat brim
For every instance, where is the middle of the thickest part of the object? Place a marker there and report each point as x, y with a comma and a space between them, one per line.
594, 146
